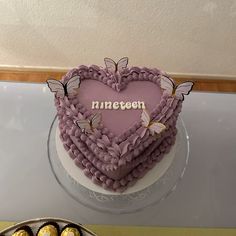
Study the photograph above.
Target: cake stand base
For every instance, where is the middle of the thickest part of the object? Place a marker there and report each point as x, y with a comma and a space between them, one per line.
153, 187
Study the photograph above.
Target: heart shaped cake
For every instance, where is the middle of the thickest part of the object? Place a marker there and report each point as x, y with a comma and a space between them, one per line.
116, 122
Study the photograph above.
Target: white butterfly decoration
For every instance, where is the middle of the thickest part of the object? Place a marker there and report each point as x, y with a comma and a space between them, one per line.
113, 67
154, 127
70, 88
176, 90
89, 125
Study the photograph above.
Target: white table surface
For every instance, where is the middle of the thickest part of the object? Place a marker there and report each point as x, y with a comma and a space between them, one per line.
205, 197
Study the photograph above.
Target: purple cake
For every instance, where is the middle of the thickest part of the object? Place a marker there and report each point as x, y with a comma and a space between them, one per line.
116, 122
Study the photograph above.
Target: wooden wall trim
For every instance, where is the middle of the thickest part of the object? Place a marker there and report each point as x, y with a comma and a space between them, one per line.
208, 83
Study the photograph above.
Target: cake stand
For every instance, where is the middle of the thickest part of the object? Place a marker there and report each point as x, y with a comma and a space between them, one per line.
154, 187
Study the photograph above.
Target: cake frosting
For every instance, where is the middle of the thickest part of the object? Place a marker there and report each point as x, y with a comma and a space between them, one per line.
116, 122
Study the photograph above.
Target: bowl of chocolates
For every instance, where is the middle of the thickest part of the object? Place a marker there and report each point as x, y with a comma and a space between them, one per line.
47, 227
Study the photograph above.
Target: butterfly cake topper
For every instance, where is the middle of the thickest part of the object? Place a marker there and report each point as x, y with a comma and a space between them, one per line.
154, 127
116, 68
113, 67
69, 89
177, 91
89, 125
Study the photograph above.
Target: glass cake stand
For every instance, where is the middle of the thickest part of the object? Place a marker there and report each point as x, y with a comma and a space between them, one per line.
123, 202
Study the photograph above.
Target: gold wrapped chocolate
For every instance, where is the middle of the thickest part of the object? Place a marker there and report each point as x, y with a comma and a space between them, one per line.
21, 232
48, 230
70, 231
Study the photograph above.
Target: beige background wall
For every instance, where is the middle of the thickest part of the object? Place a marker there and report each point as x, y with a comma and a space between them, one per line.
184, 36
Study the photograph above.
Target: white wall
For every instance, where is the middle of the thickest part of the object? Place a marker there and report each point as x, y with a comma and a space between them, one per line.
185, 36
